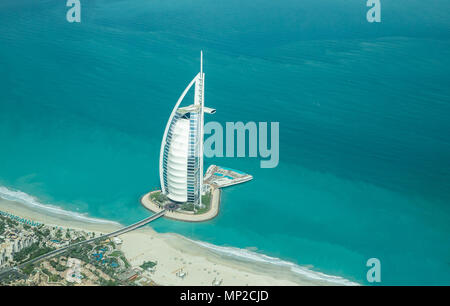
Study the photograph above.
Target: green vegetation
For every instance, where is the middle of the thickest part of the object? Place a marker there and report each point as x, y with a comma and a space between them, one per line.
45, 271
98, 247
79, 239
51, 277
59, 234
125, 261
206, 201
31, 252
188, 207
55, 278
80, 252
111, 264
116, 254
41, 233
148, 265
28, 269
158, 197
104, 282
58, 267
11, 222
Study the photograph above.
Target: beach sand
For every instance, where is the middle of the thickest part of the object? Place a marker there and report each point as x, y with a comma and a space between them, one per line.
172, 252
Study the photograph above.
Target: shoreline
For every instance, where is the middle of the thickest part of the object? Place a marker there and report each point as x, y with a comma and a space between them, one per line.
202, 261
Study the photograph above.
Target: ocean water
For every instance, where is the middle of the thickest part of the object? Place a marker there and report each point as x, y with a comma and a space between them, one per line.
364, 112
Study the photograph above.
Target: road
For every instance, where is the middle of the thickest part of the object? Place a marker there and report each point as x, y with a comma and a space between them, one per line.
121, 231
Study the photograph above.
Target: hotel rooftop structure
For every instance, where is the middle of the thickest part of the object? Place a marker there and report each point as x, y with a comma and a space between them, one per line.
181, 155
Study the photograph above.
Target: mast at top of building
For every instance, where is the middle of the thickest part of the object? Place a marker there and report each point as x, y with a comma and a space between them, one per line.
181, 155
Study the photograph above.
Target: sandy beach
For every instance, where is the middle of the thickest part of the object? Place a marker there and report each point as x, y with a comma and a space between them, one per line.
172, 252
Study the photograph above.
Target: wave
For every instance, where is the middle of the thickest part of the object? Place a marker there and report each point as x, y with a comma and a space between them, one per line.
247, 255
243, 254
32, 202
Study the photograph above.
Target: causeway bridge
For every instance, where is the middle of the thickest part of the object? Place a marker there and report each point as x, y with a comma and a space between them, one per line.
121, 231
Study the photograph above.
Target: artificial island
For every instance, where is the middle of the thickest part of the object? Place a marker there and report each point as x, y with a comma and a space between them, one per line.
186, 194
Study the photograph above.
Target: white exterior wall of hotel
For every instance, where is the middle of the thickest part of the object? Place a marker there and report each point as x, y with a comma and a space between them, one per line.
178, 145
164, 140
177, 161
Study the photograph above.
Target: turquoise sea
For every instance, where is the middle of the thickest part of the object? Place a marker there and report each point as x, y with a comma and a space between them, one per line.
364, 112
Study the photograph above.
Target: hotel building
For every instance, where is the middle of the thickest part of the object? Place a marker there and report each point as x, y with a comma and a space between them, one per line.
181, 155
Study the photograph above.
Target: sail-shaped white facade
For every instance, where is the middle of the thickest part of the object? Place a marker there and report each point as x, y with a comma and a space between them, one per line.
181, 155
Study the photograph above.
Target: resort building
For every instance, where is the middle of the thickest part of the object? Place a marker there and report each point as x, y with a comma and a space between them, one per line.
181, 155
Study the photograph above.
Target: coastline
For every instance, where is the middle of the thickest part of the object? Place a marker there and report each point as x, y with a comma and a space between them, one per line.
203, 262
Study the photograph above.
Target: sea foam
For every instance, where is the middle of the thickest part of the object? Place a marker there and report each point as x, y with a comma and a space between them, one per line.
243, 254
32, 202
247, 255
